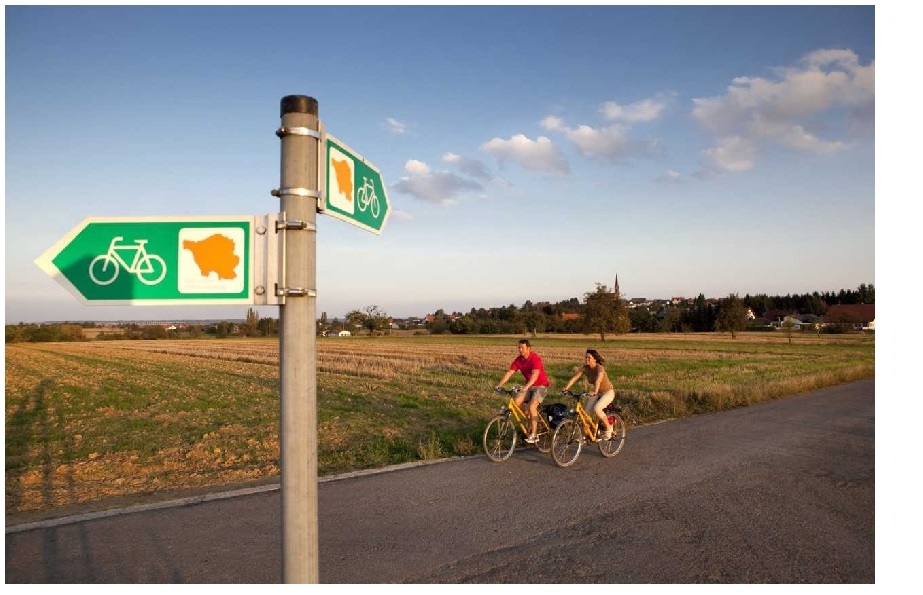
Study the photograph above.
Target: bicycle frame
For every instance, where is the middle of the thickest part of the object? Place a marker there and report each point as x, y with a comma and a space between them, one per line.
137, 247
366, 193
522, 418
589, 425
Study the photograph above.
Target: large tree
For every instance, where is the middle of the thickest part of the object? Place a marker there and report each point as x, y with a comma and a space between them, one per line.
642, 320
700, 318
534, 322
375, 320
354, 320
250, 326
732, 315
605, 312
670, 319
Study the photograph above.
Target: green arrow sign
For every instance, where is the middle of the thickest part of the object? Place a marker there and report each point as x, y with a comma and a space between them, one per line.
354, 189
149, 261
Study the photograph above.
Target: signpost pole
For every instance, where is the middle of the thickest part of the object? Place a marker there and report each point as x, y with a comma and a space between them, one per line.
298, 195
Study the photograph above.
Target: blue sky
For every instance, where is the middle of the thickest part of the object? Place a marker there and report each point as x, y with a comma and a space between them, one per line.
529, 152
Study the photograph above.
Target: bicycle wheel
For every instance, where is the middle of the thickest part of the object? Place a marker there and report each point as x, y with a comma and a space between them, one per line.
362, 199
154, 267
499, 438
545, 436
376, 206
566, 444
104, 269
611, 447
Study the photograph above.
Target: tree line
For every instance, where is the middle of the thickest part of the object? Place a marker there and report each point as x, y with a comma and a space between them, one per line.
252, 326
600, 311
605, 312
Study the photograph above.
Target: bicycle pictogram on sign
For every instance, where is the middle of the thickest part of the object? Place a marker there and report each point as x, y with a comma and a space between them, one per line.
366, 198
149, 268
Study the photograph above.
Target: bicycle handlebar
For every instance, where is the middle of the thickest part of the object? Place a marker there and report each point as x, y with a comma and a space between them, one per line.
510, 391
577, 396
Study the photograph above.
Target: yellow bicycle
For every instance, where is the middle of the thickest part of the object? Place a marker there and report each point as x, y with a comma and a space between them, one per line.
579, 427
501, 433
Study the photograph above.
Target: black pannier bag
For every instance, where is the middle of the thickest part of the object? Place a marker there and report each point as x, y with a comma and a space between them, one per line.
555, 412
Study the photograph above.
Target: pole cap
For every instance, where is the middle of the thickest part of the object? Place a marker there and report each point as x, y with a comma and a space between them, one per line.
301, 104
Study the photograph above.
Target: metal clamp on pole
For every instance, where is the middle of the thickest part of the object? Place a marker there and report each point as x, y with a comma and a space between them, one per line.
297, 131
295, 292
303, 192
295, 225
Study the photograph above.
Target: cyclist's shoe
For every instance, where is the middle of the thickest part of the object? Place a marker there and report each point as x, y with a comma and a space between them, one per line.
607, 435
531, 439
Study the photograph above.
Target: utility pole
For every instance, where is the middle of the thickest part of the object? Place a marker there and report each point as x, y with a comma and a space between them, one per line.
298, 196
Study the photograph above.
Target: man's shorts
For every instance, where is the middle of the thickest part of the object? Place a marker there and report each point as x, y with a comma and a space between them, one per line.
537, 393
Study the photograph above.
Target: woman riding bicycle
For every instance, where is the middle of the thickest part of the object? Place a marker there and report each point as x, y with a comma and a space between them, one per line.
603, 391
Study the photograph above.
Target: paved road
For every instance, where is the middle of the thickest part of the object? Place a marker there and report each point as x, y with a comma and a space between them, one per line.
781, 492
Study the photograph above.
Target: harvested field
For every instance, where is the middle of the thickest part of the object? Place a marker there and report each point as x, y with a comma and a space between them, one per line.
101, 419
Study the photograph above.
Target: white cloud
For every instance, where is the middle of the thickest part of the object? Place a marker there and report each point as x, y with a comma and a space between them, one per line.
400, 215
613, 142
438, 187
416, 167
645, 110
670, 176
472, 167
825, 91
553, 123
733, 154
395, 126
796, 137
538, 155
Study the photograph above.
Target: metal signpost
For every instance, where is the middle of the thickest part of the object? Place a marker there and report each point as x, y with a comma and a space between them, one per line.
261, 260
298, 196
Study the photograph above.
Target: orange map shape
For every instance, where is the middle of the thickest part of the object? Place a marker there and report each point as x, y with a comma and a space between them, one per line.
214, 254
344, 177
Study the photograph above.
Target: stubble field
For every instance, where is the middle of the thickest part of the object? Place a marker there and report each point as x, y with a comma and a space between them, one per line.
89, 422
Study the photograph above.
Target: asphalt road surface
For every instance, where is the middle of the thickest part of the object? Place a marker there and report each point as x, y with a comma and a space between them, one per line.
780, 492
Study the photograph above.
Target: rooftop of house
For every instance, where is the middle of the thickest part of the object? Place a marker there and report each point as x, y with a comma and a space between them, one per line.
850, 313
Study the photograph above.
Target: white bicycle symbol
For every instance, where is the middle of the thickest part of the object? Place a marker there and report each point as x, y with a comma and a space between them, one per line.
366, 197
149, 268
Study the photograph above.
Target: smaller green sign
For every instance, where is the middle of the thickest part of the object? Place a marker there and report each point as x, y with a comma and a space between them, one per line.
155, 260
354, 189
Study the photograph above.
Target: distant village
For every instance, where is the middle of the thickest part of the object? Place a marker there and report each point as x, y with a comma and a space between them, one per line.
840, 312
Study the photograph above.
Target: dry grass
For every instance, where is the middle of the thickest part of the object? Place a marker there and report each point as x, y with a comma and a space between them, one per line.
87, 421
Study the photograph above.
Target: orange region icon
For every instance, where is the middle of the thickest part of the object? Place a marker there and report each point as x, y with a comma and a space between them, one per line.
344, 177
214, 254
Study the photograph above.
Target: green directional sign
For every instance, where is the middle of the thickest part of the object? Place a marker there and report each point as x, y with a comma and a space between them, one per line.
354, 191
148, 261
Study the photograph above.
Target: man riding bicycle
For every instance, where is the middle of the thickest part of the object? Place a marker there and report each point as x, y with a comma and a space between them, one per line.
536, 386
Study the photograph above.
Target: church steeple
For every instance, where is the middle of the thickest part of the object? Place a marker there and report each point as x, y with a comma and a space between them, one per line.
615, 289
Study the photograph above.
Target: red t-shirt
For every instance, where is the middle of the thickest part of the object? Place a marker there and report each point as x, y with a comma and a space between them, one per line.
527, 364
